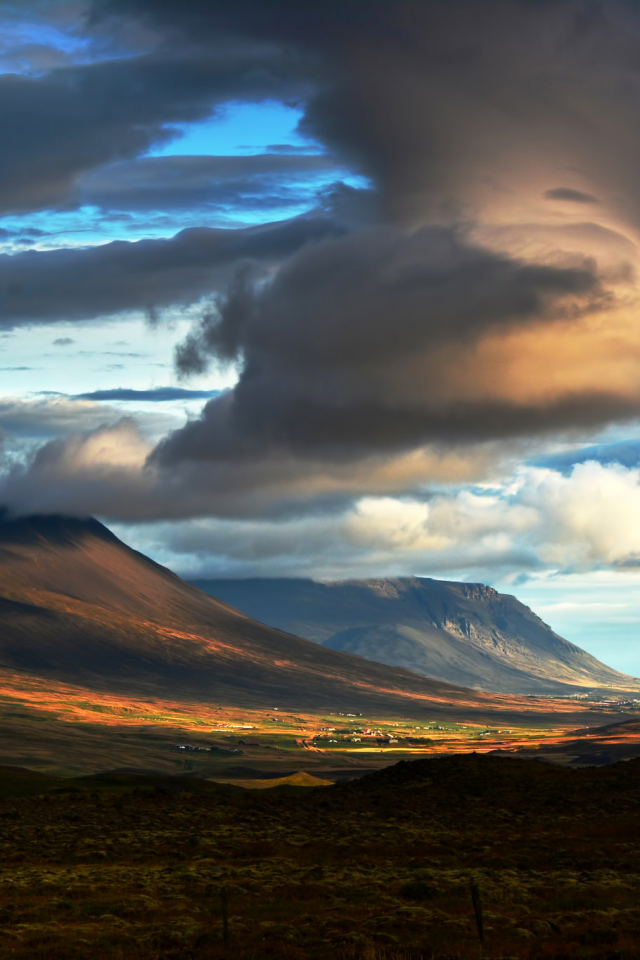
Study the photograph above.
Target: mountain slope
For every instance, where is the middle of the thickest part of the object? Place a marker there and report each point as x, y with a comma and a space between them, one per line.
78, 606
461, 633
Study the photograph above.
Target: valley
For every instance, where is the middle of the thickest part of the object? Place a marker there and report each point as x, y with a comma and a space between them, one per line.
69, 731
109, 661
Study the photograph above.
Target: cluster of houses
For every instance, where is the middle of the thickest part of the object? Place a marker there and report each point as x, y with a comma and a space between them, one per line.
381, 739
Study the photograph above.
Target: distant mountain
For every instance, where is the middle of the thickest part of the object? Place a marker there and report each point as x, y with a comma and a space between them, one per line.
462, 633
78, 606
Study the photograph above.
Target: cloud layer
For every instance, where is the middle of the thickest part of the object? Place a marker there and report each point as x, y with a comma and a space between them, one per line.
264, 182
414, 337
387, 340
119, 277
534, 521
93, 114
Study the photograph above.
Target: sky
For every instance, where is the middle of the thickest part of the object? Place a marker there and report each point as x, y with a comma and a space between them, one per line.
333, 289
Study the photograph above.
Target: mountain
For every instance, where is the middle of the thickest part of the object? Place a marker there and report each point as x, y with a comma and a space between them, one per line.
462, 633
78, 606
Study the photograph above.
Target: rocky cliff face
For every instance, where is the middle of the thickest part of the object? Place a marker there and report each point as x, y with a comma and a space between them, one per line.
465, 633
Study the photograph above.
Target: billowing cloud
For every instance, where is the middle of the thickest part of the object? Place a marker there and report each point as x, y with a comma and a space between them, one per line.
588, 519
98, 468
75, 475
386, 340
591, 517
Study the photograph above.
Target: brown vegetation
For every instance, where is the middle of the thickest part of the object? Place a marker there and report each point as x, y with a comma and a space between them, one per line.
382, 867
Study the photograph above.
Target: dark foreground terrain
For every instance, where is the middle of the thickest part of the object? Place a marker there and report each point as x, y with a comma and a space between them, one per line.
381, 867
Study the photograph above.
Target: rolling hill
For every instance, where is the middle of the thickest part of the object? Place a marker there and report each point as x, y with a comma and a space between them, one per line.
461, 633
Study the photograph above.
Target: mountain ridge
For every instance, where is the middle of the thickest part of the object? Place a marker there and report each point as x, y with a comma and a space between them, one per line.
77, 605
462, 633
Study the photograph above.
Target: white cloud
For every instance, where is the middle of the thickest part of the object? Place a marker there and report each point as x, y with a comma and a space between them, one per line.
539, 520
589, 518
340, 522
391, 523
586, 520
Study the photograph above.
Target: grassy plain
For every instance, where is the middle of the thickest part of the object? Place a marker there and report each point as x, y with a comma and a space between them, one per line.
68, 731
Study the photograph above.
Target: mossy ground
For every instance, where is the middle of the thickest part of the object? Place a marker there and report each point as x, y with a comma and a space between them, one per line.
378, 868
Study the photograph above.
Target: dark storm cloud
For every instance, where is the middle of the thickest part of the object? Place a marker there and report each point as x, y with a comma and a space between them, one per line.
168, 183
328, 346
367, 354
443, 106
32, 58
318, 23
75, 119
322, 39
439, 102
243, 433
77, 284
